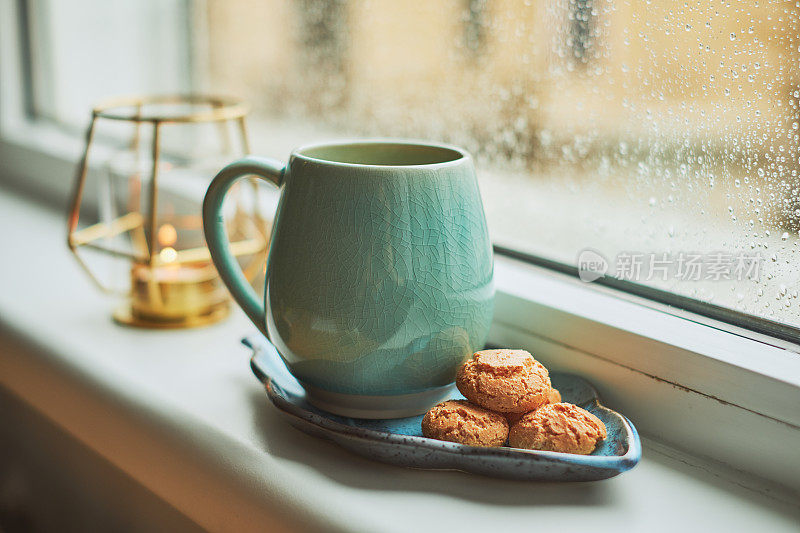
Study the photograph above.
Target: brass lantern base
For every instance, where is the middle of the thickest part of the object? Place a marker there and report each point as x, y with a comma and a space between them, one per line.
125, 315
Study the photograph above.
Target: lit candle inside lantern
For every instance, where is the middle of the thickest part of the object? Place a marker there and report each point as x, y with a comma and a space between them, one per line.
172, 288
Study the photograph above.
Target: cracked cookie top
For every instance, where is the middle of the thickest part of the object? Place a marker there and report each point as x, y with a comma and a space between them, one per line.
460, 421
558, 427
506, 381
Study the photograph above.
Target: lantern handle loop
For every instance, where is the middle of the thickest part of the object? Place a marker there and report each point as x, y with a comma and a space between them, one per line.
269, 170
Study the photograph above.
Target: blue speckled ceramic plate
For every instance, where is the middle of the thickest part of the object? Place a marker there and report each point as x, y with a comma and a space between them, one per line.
400, 441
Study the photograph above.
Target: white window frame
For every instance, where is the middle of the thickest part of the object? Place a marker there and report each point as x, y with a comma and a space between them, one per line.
729, 396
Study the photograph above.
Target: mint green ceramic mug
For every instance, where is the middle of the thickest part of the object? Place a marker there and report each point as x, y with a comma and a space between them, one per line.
379, 279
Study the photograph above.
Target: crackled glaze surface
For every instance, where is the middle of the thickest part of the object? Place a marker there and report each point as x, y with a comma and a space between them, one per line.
380, 277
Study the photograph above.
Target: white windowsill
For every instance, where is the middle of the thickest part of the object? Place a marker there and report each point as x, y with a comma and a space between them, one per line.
180, 414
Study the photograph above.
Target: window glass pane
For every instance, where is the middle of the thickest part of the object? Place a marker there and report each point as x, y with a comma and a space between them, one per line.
662, 135
83, 51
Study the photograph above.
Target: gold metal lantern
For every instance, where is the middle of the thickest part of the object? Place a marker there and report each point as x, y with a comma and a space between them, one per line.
146, 229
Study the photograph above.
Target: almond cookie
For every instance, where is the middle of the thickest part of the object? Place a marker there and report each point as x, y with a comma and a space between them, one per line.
558, 427
553, 396
506, 381
460, 421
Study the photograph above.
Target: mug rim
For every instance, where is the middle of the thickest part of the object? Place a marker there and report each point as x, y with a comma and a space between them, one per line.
298, 153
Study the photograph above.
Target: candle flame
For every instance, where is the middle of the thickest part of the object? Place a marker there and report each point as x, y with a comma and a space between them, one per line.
167, 235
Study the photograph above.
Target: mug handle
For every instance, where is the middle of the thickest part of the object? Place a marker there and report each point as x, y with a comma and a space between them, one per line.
270, 170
